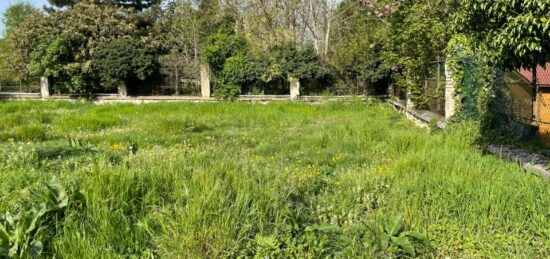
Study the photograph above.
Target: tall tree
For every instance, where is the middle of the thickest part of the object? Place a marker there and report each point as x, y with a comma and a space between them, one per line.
357, 46
16, 49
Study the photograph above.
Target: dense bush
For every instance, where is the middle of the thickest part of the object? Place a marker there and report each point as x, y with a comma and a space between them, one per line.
237, 70
121, 60
222, 45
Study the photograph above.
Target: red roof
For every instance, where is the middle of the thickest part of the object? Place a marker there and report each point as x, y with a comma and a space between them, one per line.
543, 75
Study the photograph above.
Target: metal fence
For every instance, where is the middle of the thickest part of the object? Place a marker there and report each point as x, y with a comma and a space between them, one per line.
541, 110
432, 91
434, 88
176, 82
32, 87
529, 95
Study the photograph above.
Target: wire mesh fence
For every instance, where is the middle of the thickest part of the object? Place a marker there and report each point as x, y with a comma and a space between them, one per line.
434, 88
32, 86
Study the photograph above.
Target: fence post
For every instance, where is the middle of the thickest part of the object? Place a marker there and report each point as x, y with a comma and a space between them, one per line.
205, 81
44, 87
122, 90
294, 88
450, 100
408, 100
391, 91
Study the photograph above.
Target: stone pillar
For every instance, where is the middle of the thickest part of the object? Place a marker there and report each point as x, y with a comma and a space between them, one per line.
44, 87
122, 90
205, 81
294, 88
391, 91
450, 99
409, 101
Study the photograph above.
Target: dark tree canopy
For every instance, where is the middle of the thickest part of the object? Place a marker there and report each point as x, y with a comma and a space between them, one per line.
136, 4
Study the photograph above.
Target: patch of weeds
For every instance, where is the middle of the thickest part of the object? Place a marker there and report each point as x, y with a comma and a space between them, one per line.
390, 238
20, 233
433, 127
314, 241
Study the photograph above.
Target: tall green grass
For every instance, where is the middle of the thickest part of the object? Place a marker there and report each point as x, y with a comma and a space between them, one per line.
282, 180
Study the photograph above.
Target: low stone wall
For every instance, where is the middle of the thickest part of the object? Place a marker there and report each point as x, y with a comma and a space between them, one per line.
421, 118
115, 98
20, 96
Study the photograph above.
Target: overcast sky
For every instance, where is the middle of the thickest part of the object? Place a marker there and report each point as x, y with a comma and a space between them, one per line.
5, 3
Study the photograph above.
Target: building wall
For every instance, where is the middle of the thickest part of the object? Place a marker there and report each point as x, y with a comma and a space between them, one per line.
542, 109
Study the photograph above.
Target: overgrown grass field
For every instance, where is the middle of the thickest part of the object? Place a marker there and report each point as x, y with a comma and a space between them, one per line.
174, 180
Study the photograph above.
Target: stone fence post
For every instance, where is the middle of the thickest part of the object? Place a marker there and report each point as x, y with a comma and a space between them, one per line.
409, 101
44, 87
205, 81
294, 88
122, 90
450, 99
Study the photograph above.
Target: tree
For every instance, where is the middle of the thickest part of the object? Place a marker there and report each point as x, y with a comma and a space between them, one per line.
514, 33
138, 5
62, 45
225, 53
15, 14
24, 27
416, 36
7, 76
221, 46
121, 60
357, 46
181, 38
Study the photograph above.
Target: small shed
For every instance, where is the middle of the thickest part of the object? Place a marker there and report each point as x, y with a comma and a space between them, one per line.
532, 105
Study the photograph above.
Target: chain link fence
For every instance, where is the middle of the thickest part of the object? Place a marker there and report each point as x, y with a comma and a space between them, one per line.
528, 94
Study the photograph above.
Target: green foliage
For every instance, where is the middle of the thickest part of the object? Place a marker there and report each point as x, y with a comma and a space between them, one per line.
20, 234
513, 34
392, 238
468, 75
15, 14
68, 47
135, 4
417, 35
479, 89
49, 57
226, 91
225, 53
225, 43
358, 44
121, 60
238, 70
299, 63
24, 28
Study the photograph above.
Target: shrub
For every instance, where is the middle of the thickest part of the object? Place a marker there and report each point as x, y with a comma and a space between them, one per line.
226, 91
121, 60
221, 46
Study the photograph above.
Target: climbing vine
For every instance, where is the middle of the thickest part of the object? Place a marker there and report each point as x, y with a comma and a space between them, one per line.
479, 87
